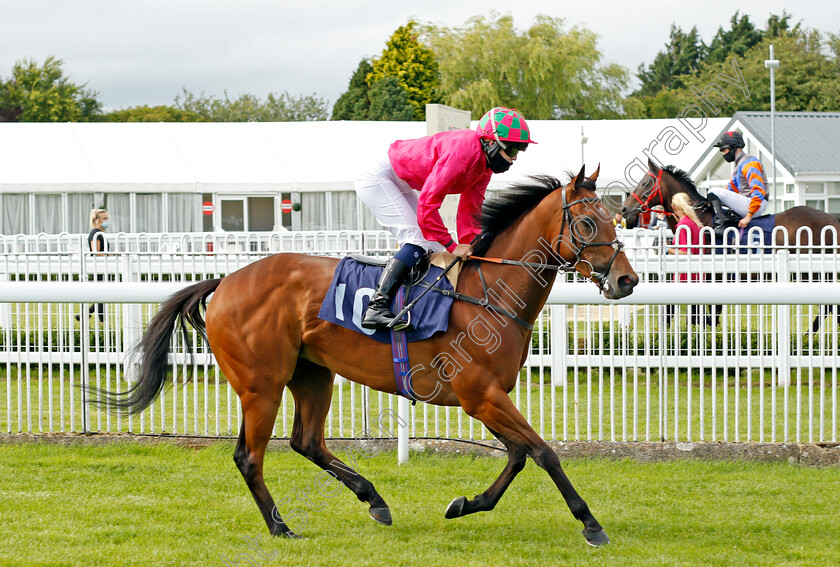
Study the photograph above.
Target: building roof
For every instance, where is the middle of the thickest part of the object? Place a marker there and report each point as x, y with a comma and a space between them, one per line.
806, 142
305, 156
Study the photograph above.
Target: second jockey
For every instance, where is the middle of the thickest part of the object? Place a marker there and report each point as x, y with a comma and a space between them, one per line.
746, 192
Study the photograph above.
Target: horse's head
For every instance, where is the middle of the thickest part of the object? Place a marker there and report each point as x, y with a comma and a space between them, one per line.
586, 238
646, 195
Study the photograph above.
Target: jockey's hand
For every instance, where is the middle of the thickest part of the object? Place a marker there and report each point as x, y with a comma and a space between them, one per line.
745, 221
462, 250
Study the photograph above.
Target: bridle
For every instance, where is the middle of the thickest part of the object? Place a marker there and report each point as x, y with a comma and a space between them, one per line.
564, 265
598, 277
655, 191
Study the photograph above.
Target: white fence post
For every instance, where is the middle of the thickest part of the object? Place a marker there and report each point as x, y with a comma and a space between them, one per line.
783, 336
132, 323
559, 344
5, 309
403, 423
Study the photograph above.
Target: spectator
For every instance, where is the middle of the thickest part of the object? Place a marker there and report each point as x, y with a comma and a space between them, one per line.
99, 221
657, 219
687, 233
686, 241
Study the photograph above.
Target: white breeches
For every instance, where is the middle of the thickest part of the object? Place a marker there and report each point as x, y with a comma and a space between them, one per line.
737, 202
393, 203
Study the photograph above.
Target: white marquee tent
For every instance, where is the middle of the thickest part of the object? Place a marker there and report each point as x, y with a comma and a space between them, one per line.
194, 160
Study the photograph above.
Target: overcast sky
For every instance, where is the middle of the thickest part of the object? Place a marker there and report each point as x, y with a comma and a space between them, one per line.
143, 52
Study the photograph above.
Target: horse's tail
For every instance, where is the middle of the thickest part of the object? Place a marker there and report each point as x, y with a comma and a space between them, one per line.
153, 349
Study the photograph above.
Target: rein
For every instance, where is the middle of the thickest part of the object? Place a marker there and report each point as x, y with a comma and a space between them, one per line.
484, 302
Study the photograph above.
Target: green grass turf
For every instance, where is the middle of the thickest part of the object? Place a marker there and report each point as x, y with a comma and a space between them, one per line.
131, 503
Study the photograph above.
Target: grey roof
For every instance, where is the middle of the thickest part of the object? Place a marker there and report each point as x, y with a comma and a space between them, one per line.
806, 142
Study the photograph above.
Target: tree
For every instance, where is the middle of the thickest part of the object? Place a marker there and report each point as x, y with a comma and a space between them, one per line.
281, 107
151, 114
43, 94
354, 104
666, 103
682, 56
778, 25
412, 64
808, 80
390, 101
735, 42
10, 110
546, 72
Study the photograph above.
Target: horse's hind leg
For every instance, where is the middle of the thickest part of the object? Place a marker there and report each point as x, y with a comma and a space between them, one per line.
815, 324
312, 387
488, 499
259, 413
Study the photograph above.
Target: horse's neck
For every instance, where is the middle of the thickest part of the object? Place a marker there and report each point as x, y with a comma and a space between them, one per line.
530, 284
674, 187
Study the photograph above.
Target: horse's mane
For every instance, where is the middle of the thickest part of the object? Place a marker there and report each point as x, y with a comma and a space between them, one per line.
685, 181
501, 211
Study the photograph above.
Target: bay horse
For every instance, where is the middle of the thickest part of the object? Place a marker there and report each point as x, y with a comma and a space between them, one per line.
660, 185
263, 327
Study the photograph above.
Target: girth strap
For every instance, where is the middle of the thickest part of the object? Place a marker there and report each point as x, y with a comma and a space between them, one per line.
399, 351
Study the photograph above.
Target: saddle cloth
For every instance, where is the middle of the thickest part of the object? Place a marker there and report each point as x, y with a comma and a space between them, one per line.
748, 238
751, 240
354, 284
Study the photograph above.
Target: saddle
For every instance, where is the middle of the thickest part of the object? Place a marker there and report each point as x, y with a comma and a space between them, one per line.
415, 275
730, 217
418, 273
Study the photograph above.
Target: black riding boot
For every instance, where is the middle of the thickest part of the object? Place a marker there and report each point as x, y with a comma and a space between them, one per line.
378, 313
717, 207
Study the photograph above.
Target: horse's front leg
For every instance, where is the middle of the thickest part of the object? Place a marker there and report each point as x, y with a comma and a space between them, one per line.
488, 499
496, 410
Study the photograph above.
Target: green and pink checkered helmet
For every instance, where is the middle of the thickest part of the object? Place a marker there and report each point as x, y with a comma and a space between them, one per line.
504, 125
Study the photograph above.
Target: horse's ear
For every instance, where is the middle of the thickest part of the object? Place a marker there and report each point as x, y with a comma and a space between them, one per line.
580, 177
594, 177
652, 167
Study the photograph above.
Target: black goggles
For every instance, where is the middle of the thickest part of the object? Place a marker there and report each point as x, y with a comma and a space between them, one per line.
513, 148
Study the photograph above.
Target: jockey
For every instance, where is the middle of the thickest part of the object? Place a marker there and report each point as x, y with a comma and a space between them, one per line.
746, 192
406, 189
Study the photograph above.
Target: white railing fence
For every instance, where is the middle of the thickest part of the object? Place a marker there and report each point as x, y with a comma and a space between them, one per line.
661, 364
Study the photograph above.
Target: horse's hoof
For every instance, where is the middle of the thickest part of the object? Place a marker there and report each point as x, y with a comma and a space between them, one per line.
288, 534
596, 538
456, 508
381, 515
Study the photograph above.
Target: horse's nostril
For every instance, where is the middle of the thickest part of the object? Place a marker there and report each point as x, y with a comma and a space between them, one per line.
627, 283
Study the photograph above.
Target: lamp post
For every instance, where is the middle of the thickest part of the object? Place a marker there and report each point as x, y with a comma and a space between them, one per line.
773, 64
583, 140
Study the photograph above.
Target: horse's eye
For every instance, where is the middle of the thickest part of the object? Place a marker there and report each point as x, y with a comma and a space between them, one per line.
584, 229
